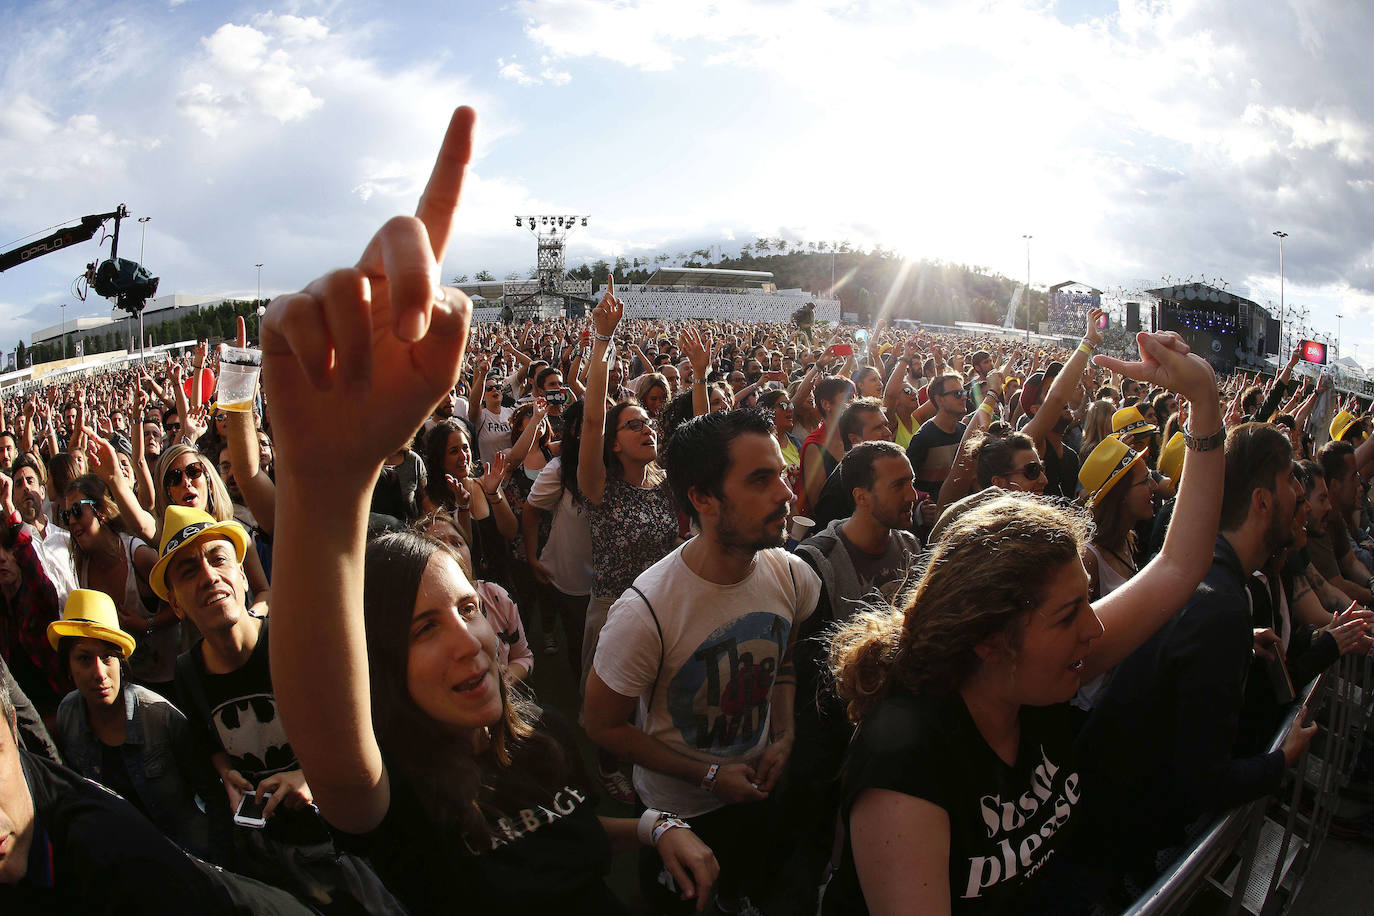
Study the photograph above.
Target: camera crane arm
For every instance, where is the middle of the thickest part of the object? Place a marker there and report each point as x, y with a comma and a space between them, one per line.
63, 238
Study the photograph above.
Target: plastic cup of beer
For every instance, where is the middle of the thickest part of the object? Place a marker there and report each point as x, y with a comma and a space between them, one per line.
238, 377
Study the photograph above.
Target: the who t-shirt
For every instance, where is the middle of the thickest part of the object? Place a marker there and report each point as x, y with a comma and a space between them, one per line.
721, 649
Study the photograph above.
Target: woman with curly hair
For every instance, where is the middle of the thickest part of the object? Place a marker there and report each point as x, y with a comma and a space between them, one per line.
960, 785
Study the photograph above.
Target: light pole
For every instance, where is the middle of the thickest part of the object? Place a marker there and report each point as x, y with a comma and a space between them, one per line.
63, 307
1028, 301
143, 237
259, 267
1281, 235
1338, 335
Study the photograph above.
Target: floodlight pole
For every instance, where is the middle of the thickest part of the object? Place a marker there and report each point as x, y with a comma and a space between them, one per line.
1282, 346
1028, 301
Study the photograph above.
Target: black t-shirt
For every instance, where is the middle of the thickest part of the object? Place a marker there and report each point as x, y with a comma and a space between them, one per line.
932, 452
92, 852
546, 858
836, 500
244, 721
1006, 822
1061, 472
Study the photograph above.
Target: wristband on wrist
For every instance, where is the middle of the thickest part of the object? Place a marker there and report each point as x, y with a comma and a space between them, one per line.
986, 408
708, 782
604, 338
666, 825
644, 830
1085, 348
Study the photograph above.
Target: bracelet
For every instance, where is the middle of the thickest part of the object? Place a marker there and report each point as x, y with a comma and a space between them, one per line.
605, 338
708, 782
667, 825
645, 828
986, 408
1085, 348
1205, 443
495, 497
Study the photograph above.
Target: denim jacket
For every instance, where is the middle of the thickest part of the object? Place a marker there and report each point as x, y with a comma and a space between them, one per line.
157, 755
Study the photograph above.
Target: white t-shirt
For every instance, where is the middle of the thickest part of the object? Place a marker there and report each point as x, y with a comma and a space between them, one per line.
568, 554
721, 648
493, 431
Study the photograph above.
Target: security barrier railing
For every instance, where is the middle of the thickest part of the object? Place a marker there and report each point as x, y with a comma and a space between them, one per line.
1256, 857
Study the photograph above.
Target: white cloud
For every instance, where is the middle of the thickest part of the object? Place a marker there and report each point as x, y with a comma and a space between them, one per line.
515, 72
244, 75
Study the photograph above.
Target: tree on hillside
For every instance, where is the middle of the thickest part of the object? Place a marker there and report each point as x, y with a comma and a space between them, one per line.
762, 245
484, 276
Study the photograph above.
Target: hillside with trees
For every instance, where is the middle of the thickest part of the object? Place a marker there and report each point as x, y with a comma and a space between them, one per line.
935, 292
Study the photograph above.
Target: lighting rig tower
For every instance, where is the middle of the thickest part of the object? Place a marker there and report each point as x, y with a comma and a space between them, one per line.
550, 293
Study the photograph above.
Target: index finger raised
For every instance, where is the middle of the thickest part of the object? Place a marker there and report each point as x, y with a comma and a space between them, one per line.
439, 202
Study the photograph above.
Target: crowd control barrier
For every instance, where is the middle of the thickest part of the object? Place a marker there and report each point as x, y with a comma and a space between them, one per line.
1255, 858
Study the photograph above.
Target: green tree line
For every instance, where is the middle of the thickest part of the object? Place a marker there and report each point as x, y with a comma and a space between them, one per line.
865, 280
194, 324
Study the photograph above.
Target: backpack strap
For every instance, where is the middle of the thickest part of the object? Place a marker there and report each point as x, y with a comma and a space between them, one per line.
654, 617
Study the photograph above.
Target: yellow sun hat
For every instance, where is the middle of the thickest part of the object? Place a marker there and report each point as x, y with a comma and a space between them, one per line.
1108, 463
183, 526
91, 614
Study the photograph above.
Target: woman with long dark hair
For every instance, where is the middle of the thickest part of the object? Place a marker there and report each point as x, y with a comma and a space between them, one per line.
463, 796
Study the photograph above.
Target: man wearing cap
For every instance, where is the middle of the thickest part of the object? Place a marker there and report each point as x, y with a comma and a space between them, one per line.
224, 681
1158, 747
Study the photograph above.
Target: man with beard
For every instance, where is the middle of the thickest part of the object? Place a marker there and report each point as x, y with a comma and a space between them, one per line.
27, 497
1158, 748
864, 561
700, 650
1331, 548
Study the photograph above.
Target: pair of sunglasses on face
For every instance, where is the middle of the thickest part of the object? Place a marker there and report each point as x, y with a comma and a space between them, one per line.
76, 512
193, 471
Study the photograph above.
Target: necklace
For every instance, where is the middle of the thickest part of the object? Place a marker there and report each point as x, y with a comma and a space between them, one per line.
1122, 560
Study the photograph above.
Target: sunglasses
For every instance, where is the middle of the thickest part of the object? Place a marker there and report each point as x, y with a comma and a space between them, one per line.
493, 388
636, 425
961, 392
1030, 470
76, 512
783, 405
170, 427
194, 471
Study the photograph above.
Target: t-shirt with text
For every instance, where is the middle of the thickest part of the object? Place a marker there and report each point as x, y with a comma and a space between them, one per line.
721, 647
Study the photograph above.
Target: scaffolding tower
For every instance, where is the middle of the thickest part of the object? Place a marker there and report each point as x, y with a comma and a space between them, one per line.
549, 293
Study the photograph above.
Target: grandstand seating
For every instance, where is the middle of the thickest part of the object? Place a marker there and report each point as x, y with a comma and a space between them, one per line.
743, 304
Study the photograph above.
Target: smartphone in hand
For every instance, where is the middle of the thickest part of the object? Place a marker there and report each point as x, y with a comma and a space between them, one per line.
250, 811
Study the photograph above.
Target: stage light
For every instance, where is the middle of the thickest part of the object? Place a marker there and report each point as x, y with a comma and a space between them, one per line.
584, 220
517, 222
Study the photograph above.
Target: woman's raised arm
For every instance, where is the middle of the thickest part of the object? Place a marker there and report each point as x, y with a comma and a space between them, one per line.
1144, 604
322, 360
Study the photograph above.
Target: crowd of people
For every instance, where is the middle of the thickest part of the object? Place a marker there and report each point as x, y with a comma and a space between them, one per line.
1017, 651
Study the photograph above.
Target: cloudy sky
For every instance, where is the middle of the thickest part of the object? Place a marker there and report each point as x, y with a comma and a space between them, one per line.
1133, 140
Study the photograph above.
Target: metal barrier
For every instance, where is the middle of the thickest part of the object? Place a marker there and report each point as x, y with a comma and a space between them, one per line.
1256, 857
